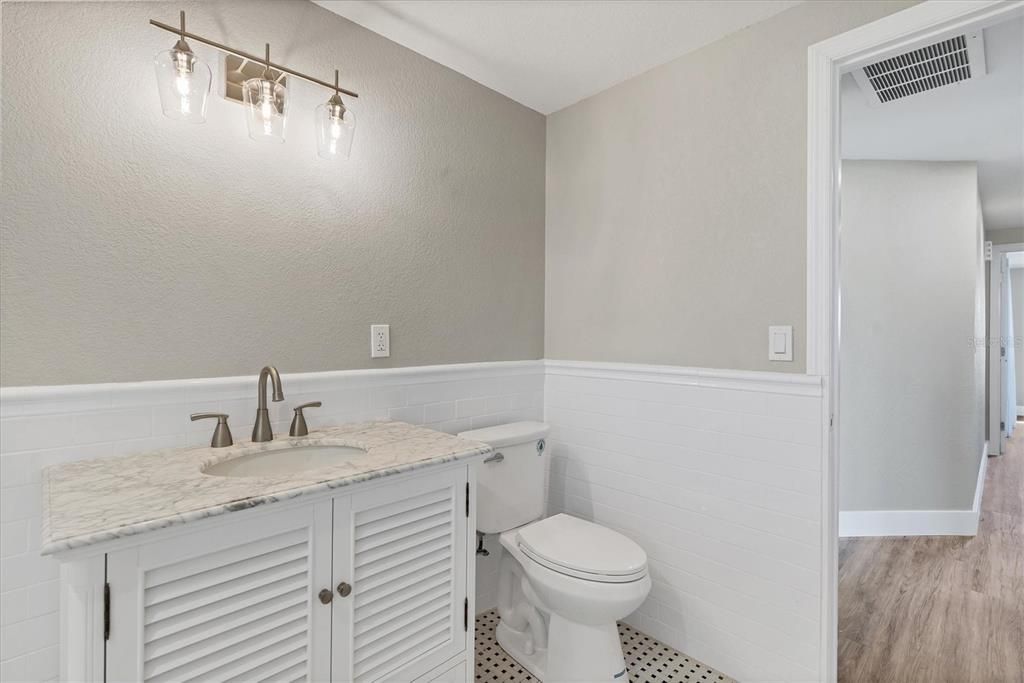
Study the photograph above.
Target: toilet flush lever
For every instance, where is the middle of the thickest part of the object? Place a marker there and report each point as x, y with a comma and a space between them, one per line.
497, 457
480, 549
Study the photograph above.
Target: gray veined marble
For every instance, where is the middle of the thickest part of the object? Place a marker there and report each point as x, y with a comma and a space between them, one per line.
91, 501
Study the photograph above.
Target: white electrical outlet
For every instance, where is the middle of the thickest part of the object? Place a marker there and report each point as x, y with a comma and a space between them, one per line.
380, 341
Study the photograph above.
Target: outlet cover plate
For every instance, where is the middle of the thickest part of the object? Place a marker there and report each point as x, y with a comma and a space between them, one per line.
380, 341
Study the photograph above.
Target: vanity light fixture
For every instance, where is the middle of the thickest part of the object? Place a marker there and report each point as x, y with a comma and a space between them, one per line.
264, 106
335, 127
184, 84
183, 81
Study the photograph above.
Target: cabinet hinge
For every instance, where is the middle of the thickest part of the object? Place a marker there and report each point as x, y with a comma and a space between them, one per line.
106, 611
1002, 426
465, 615
467, 499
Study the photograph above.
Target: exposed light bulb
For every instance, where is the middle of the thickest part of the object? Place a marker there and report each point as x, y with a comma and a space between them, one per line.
184, 83
335, 124
265, 103
335, 135
267, 106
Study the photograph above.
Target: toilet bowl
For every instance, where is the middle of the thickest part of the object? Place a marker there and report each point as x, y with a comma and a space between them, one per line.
564, 582
579, 600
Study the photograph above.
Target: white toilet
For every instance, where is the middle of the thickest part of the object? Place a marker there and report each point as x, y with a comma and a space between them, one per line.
564, 582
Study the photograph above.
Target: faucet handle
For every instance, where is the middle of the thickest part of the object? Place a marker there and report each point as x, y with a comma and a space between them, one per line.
298, 427
222, 433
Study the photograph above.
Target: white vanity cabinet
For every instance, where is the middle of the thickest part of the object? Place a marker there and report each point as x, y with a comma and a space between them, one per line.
370, 582
404, 548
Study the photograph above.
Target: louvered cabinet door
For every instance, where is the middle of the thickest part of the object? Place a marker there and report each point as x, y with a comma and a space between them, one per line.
235, 601
403, 549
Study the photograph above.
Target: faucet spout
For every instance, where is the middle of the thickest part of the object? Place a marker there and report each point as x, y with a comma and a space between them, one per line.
275, 379
261, 431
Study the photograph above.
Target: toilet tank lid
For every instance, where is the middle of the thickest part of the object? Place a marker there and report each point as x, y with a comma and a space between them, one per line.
508, 434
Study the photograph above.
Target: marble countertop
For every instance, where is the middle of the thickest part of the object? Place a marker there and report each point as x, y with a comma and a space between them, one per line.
91, 501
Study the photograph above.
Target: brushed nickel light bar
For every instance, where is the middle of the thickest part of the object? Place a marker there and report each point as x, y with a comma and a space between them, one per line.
183, 34
183, 82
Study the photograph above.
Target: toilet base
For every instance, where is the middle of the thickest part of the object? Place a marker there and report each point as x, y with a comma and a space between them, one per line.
515, 644
584, 652
575, 653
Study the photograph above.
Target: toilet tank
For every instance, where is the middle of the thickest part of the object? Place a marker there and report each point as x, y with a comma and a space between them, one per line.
510, 482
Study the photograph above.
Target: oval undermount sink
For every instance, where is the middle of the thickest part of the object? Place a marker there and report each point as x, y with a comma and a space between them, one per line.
284, 461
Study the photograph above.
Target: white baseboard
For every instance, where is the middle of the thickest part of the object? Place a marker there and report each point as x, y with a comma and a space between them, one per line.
918, 522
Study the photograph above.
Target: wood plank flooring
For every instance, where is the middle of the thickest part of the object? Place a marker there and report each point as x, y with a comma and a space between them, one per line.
938, 609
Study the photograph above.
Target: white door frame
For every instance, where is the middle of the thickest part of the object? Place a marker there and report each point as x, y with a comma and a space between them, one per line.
995, 333
902, 31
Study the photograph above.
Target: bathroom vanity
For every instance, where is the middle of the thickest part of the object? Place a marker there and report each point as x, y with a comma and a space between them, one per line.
345, 555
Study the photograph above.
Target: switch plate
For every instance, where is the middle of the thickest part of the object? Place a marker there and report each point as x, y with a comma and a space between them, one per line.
380, 341
780, 342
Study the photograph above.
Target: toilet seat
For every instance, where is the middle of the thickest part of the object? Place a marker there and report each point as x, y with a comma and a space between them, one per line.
581, 549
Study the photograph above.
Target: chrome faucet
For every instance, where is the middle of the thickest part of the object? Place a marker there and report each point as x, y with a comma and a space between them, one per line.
261, 431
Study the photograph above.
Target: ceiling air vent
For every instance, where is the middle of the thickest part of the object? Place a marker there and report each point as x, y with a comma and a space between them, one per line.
946, 62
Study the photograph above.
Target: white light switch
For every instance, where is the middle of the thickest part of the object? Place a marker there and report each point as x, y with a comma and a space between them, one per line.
780, 342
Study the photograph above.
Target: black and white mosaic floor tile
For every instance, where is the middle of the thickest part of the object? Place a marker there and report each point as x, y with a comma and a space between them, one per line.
648, 660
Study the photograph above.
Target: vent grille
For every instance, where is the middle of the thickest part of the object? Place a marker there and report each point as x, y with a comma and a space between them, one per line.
933, 66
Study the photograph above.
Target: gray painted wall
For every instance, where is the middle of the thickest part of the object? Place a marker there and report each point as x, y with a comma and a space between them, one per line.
136, 247
911, 403
1009, 236
676, 222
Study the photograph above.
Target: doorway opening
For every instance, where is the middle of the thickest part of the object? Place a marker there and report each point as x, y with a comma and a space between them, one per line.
830, 326
1006, 338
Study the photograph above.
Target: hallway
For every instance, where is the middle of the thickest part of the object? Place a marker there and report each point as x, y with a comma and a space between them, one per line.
940, 609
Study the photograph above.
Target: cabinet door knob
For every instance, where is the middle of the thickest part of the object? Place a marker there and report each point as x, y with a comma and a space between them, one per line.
326, 596
344, 590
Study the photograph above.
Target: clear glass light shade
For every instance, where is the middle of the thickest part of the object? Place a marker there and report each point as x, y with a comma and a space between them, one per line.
335, 128
264, 109
184, 84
